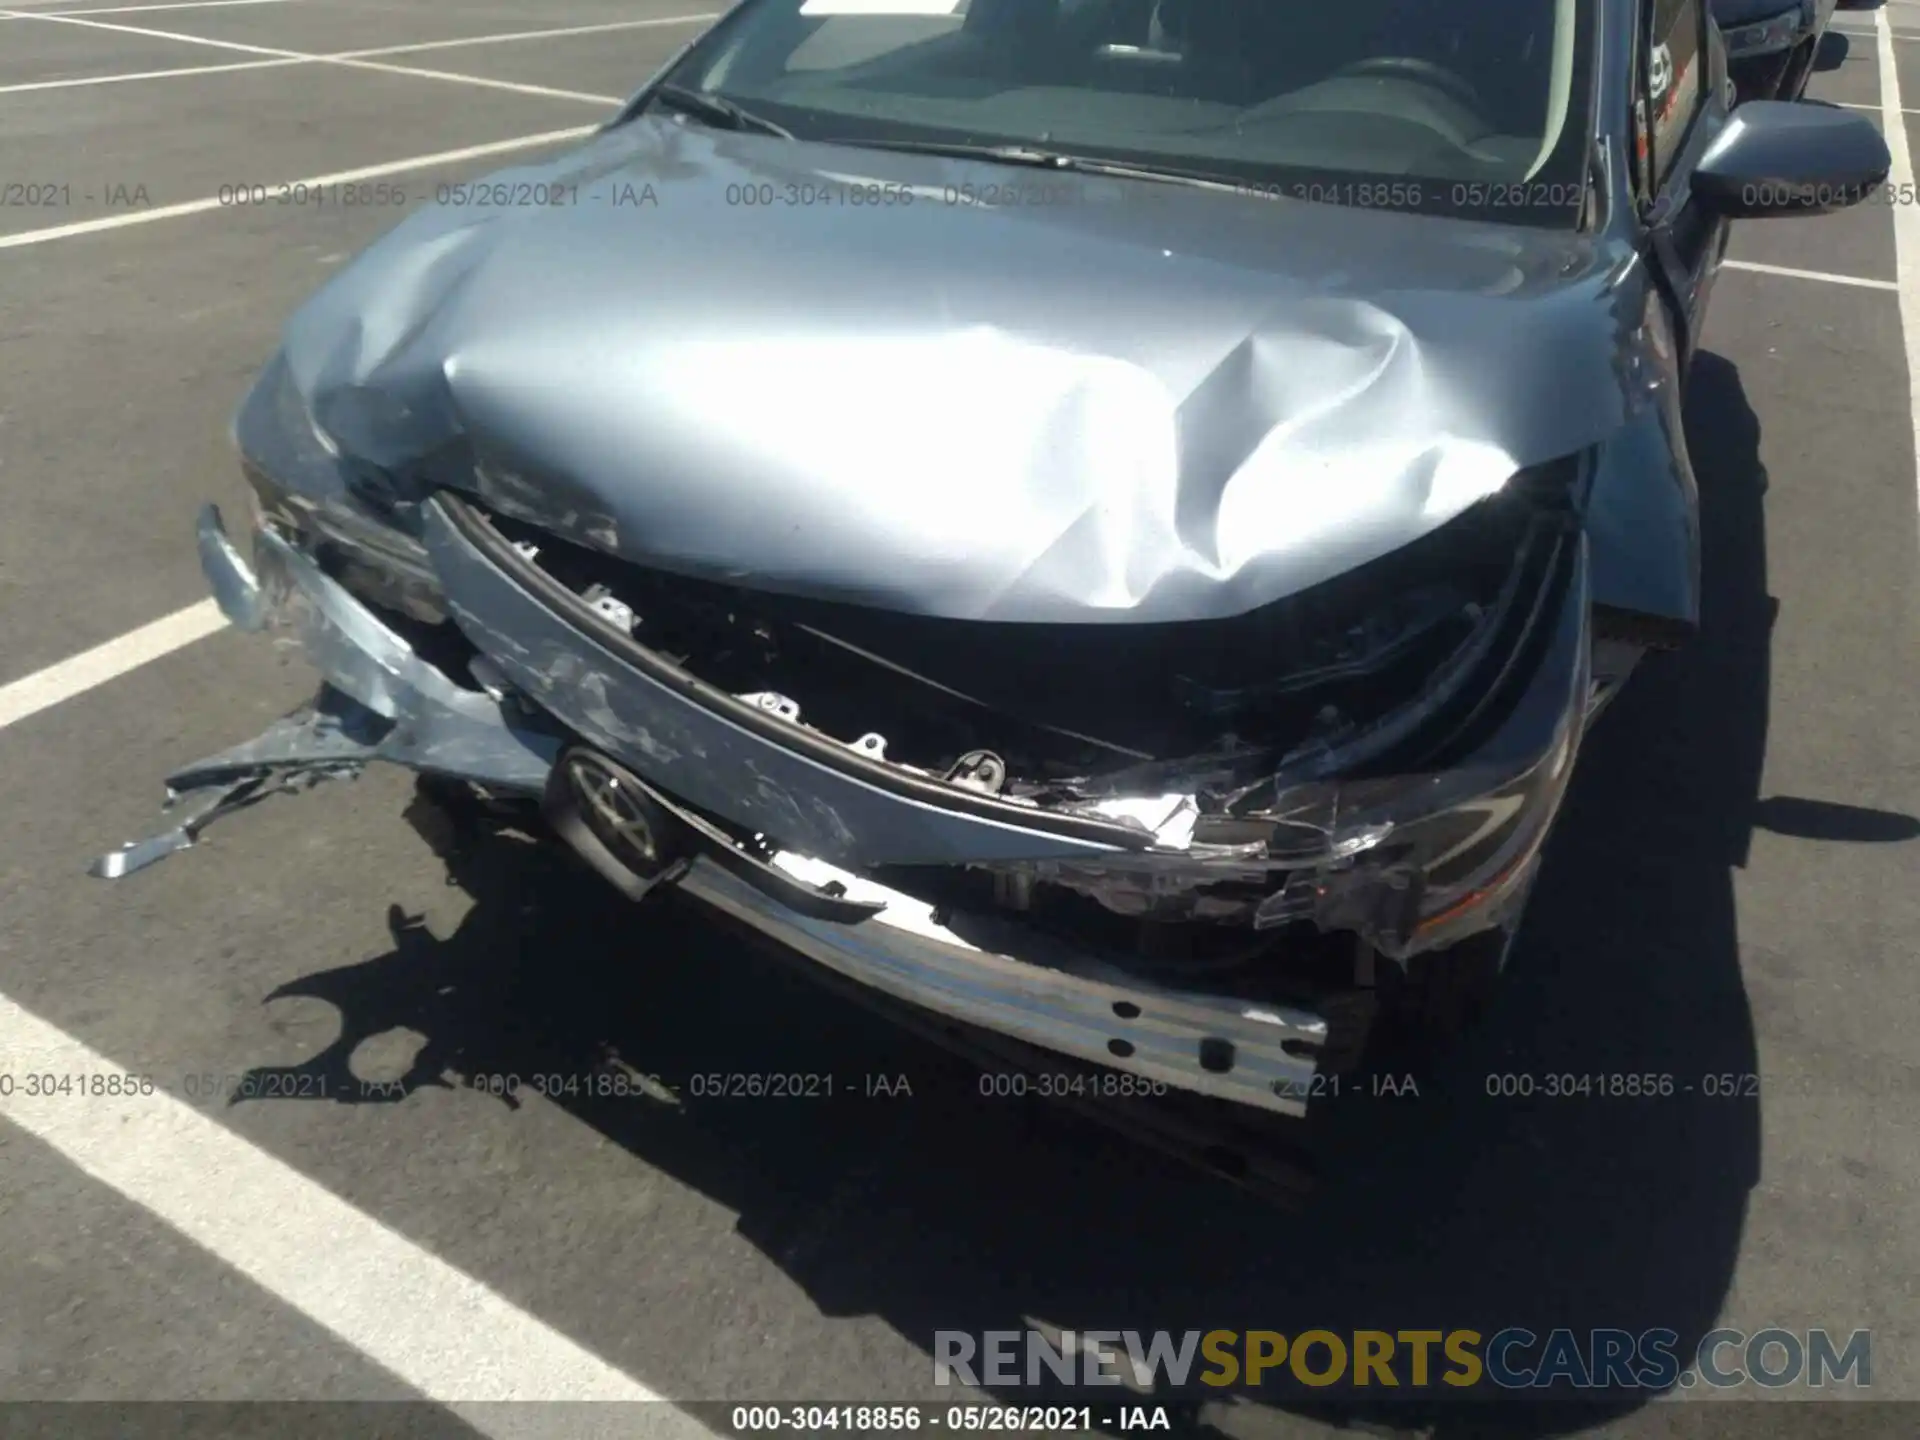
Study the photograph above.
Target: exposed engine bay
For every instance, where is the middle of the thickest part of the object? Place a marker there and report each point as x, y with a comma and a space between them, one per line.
1185, 733
1072, 713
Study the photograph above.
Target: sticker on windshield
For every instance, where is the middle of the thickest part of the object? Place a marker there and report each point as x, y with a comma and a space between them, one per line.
882, 7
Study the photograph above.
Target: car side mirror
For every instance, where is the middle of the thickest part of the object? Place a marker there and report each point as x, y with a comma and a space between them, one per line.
1788, 157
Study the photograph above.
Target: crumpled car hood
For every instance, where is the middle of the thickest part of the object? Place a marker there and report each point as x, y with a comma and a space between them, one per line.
1121, 401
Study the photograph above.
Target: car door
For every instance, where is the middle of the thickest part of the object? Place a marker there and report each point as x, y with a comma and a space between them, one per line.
1679, 105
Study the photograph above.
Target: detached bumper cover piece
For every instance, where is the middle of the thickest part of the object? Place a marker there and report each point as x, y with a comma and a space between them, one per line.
437, 724
381, 702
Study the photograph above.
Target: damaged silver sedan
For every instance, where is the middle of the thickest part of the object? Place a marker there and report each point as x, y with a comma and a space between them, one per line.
1105, 521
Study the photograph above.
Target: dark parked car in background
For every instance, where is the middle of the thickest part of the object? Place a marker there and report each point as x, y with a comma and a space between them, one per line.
1105, 523
1772, 44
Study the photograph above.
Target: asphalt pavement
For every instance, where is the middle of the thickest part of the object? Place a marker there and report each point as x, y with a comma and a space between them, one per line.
335, 1207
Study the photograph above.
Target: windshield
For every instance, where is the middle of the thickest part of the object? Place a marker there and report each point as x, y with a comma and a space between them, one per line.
1456, 106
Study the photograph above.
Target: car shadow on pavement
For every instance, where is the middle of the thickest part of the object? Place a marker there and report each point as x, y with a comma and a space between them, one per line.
1484, 1202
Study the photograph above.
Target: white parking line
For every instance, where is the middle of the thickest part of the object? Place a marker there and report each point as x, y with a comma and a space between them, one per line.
300, 58
447, 1335
1874, 109
1906, 220
1824, 276
171, 5
558, 33
79, 673
82, 80
338, 177
514, 86
120, 28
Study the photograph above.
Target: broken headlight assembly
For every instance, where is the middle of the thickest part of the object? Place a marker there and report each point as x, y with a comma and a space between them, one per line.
1423, 831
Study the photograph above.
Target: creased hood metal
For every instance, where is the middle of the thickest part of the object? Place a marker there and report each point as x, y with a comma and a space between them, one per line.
1134, 402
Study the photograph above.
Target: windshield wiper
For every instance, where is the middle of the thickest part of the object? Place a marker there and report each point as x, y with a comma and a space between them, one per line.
716, 110
1039, 159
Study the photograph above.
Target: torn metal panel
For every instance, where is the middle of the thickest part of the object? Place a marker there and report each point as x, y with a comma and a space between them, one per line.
381, 701
332, 738
332, 731
438, 725
204, 809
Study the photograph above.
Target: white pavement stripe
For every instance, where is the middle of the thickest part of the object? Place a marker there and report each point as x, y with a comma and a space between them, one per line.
170, 5
1826, 277
338, 177
297, 58
81, 80
1862, 105
79, 673
517, 87
119, 28
377, 66
1906, 220
1866, 34
437, 1328
511, 36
